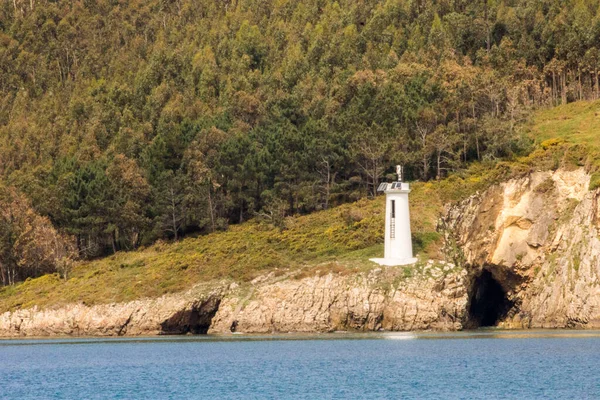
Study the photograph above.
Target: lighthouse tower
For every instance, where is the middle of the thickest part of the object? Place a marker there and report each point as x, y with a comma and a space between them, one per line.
398, 244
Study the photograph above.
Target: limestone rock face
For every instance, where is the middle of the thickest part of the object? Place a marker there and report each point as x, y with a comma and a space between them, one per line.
191, 311
356, 302
539, 237
363, 302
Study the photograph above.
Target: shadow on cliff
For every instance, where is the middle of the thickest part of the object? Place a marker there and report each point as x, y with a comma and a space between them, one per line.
195, 319
488, 303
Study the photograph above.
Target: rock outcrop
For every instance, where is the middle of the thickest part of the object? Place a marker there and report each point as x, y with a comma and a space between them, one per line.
189, 312
363, 302
538, 237
355, 302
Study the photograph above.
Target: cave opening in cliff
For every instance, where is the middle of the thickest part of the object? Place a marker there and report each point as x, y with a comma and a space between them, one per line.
489, 303
194, 320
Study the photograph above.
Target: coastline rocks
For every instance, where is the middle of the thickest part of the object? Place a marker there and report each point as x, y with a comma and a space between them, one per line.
316, 304
181, 313
356, 302
539, 237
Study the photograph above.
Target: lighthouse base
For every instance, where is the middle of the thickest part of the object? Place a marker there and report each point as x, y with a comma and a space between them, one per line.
392, 262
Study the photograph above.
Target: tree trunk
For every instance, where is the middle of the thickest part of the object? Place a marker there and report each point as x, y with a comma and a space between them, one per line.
3, 274
596, 83
210, 207
12, 275
374, 179
173, 214
114, 241
554, 96
487, 26
327, 182
564, 88
579, 82
327, 187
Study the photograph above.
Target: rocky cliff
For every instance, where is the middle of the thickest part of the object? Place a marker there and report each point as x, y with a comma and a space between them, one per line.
526, 256
532, 250
189, 312
432, 299
380, 299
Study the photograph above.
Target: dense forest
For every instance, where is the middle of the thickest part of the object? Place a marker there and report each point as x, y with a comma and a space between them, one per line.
126, 121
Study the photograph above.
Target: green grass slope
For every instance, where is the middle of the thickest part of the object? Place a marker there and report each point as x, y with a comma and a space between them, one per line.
577, 123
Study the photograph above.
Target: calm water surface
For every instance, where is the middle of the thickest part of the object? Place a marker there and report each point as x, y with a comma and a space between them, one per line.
549, 365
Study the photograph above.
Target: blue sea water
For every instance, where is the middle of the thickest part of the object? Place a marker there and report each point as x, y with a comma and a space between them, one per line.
490, 365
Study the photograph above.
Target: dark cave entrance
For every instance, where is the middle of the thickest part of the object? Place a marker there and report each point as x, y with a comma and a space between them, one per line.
194, 320
488, 302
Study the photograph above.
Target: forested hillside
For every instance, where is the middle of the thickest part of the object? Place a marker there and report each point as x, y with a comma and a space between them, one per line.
122, 122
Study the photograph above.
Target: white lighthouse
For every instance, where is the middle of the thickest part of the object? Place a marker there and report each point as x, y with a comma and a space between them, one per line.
398, 244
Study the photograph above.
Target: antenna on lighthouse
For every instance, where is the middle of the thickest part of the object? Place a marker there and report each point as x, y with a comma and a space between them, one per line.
398, 242
399, 170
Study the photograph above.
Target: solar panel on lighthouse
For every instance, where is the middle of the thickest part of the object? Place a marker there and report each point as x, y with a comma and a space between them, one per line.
382, 187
